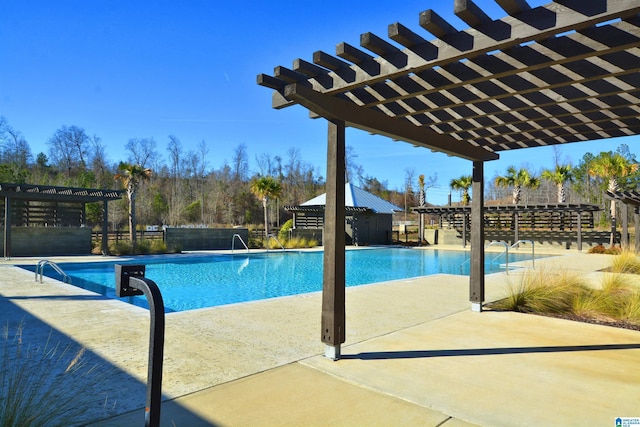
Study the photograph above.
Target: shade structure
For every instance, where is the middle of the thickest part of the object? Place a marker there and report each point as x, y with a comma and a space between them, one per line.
559, 73
54, 194
555, 74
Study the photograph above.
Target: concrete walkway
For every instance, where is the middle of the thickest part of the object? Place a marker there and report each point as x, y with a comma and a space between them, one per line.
415, 355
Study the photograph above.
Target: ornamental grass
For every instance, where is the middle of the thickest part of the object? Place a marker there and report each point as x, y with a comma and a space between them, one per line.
48, 385
614, 300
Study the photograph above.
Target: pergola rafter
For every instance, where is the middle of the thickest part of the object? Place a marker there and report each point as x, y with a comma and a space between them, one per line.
564, 72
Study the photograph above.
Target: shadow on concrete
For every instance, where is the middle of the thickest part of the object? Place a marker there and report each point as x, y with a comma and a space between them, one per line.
111, 393
417, 354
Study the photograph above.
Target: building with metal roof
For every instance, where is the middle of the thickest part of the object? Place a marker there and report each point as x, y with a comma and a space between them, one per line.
368, 218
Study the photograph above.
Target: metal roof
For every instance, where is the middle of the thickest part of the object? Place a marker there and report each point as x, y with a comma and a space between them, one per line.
559, 73
357, 198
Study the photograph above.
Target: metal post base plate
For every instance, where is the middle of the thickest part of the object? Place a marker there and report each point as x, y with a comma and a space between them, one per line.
332, 352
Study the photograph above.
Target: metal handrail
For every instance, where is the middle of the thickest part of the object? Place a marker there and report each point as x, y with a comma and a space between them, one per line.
233, 242
506, 251
274, 238
533, 252
491, 243
43, 263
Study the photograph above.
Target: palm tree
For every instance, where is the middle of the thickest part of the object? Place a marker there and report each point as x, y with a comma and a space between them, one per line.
559, 175
612, 166
421, 193
517, 179
264, 188
462, 184
130, 176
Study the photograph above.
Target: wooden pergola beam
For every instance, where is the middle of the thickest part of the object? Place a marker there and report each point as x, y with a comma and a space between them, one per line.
379, 123
514, 7
531, 25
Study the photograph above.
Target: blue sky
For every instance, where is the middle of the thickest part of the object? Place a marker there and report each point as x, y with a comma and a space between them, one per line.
124, 69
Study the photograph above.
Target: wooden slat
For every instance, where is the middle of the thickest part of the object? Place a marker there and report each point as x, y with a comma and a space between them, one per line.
470, 13
514, 7
271, 82
288, 75
435, 24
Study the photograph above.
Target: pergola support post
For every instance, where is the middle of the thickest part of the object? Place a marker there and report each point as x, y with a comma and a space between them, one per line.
464, 230
636, 221
516, 227
476, 276
105, 228
579, 230
7, 227
624, 238
333, 281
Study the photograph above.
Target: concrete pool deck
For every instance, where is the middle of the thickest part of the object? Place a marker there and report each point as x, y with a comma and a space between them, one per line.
415, 355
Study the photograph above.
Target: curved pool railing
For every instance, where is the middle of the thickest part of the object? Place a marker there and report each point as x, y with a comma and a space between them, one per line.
533, 252
233, 242
506, 252
43, 263
271, 236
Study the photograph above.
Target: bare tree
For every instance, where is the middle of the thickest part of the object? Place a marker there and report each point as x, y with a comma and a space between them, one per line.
69, 148
240, 163
143, 152
15, 152
353, 170
99, 164
176, 198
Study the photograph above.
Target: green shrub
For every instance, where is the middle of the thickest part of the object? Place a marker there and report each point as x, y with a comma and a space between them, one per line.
142, 247
283, 234
120, 247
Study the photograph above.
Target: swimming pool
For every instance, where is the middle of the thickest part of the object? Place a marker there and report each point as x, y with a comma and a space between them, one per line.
196, 281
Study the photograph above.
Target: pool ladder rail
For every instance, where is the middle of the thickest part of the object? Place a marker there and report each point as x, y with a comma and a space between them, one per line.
233, 242
506, 252
271, 236
43, 263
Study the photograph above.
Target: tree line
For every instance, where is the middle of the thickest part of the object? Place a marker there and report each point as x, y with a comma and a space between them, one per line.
183, 188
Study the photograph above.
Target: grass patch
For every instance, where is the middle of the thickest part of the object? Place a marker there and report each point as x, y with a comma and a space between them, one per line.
626, 262
142, 247
293, 243
616, 301
542, 291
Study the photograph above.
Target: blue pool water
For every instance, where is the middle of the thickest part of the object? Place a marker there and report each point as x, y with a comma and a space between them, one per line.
196, 281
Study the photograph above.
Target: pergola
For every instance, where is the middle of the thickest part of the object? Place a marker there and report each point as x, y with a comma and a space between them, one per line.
540, 215
628, 198
52, 194
554, 74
